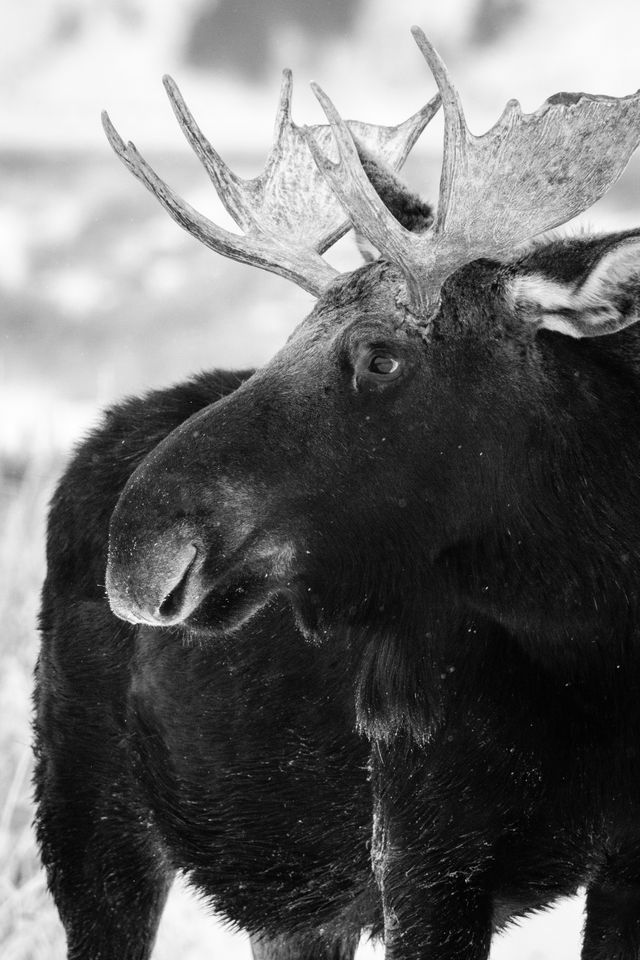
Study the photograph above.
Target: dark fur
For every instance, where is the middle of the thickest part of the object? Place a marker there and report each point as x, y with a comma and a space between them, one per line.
408, 208
232, 761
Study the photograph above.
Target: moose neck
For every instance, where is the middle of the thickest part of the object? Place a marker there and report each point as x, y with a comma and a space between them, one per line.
558, 563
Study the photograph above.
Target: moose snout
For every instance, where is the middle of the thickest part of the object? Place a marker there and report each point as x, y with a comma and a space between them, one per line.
187, 529
160, 586
171, 545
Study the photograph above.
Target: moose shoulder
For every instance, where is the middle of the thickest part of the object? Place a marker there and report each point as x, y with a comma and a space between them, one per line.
437, 474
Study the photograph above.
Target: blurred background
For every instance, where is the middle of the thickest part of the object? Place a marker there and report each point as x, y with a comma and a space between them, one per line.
102, 295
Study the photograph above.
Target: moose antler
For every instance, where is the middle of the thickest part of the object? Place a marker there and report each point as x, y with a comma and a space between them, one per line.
529, 173
289, 213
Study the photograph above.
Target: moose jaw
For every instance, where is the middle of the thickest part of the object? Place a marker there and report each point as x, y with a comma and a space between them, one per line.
437, 470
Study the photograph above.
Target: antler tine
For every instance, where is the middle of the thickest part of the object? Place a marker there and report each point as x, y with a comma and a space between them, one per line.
283, 116
416, 124
282, 125
455, 127
179, 209
351, 185
223, 179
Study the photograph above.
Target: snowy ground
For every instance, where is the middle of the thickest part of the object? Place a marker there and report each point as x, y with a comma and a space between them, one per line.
553, 935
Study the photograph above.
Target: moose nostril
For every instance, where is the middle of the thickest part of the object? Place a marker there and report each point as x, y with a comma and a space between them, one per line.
174, 599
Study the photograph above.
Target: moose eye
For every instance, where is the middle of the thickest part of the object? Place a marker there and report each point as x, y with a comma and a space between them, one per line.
377, 367
383, 364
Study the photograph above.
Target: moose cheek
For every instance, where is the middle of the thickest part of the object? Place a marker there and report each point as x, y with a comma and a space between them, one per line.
228, 609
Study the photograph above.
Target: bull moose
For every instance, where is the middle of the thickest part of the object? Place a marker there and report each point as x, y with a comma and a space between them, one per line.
435, 482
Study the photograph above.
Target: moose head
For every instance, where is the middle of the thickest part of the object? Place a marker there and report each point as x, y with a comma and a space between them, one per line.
445, 427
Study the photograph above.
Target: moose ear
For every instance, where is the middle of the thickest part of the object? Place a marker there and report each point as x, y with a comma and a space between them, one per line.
408, 209
605, 299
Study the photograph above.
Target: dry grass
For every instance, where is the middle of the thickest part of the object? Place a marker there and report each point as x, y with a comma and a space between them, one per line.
29, 927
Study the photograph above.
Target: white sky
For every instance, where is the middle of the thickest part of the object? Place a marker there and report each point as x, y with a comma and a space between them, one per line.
53, 93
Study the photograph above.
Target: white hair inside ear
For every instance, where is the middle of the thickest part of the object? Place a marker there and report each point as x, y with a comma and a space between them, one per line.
603, 302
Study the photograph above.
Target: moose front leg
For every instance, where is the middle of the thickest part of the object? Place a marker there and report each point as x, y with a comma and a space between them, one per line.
612, 927
436, 903
448, 919
106, 865
108, 882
